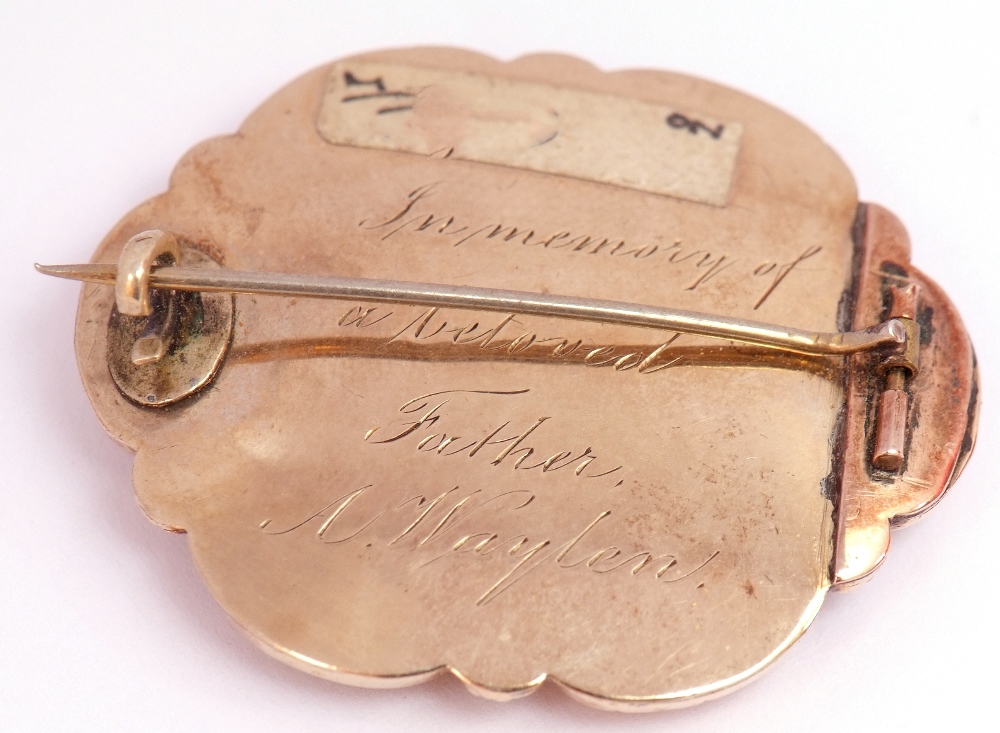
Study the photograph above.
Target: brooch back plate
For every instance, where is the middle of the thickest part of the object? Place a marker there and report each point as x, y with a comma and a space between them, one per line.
379, 493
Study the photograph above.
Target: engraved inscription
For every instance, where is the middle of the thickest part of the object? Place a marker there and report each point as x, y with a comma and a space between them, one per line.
695, 266
462, 525
506, 336
455, 525
425, 426
515, 340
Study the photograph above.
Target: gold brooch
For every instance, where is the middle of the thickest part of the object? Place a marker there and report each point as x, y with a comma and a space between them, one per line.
524, 371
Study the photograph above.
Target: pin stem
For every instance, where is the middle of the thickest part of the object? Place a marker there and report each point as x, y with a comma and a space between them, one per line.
888, 334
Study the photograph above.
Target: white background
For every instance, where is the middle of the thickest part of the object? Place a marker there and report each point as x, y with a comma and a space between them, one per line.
104, 624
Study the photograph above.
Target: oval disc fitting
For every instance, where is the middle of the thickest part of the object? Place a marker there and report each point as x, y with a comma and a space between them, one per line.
199, 340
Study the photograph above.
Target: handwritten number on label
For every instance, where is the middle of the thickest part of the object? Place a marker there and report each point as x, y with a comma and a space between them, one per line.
403, 99
680, 122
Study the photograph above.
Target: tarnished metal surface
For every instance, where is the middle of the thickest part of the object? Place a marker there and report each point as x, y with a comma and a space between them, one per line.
940, 428
198, 340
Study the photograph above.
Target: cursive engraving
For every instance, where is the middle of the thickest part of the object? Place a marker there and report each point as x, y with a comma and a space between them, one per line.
413, 216
427, 417
781, 272
506, 335
697, 266
437, 530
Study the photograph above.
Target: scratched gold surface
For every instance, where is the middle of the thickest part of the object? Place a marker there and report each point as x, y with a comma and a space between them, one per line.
376, 494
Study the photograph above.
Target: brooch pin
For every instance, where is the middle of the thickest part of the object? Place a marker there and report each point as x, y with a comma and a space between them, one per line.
524, 371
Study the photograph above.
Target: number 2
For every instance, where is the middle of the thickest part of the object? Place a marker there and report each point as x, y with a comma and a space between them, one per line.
680, 122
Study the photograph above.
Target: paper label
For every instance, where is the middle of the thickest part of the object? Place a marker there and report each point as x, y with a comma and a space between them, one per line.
539, 127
